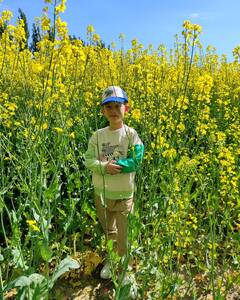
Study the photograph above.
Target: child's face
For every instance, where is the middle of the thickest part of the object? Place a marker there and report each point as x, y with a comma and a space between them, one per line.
114, 111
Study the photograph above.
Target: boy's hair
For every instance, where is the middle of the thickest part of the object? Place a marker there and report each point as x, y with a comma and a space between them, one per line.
114, 94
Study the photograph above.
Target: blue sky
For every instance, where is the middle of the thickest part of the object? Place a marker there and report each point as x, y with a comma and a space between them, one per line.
150, 21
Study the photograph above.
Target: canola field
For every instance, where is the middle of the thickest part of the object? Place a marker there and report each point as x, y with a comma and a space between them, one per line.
185, 105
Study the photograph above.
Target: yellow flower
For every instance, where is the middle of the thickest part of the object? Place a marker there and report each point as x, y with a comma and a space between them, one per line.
6, 15
44, 126
165, 259
181, 127
61, 7
88, 97
11, 106
72, 135
33, 225
136, 114
170, 153
96, 37
61, 26
33, 121
90, 29
37, 67
182, 103
69, 122
17, 123
58, 129
187, 24
45, 23
197, 28
113, 45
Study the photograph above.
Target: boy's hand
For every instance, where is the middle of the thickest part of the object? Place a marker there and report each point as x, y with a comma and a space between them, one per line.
112, 168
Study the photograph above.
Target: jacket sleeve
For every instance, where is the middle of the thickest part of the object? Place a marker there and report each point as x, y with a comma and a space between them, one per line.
133, 161
91, 162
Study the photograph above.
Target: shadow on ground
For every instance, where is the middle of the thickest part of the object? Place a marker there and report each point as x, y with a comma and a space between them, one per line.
84, 288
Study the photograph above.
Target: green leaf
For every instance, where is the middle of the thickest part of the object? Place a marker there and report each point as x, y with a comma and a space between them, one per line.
36, 278
45, 251
24, 281
236, 237
18, 259
89, 210
21, 281
1, 204
124, 292
65, 265
52, 192
62, 212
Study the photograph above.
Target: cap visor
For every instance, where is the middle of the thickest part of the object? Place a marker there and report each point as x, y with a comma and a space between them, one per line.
114, 99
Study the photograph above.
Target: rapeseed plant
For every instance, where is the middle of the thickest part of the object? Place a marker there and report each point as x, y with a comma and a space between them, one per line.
184, 105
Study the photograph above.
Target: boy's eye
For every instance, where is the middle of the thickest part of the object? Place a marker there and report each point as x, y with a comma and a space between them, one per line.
116, 106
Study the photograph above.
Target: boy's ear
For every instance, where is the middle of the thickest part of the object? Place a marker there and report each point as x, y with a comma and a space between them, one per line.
127, 107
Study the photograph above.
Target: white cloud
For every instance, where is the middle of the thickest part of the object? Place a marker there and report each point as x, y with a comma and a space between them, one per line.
194, 15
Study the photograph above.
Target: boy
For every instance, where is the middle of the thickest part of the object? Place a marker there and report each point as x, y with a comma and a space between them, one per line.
114, 154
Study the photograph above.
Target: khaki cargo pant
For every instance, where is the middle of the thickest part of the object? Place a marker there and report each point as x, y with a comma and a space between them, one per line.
113, 219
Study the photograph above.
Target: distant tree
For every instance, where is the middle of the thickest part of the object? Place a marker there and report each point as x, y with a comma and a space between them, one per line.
23, 17
74, 38
101, 44
51, 34
36, 37
2, 28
